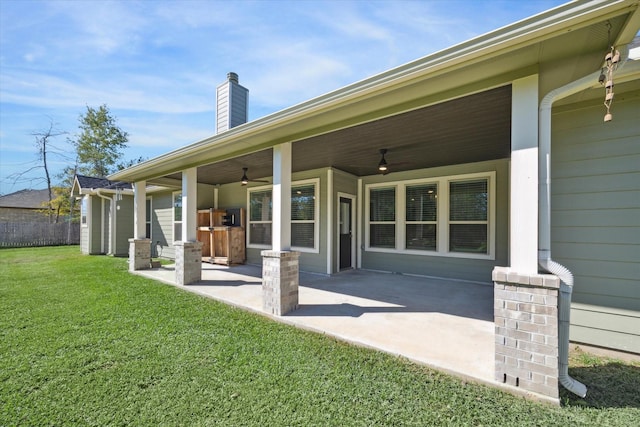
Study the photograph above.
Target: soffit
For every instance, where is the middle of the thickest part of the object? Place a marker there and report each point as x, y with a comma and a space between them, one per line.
466, 130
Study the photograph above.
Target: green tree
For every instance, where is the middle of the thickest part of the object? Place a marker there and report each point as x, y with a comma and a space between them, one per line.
100, 142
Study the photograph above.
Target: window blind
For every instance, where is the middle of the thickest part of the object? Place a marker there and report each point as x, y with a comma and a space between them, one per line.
303, 210
468, 216
382, 217
421, 212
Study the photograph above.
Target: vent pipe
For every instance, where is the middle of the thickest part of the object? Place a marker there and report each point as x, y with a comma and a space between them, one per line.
232, 106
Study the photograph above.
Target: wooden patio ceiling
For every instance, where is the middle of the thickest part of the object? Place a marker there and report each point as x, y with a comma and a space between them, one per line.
465, 130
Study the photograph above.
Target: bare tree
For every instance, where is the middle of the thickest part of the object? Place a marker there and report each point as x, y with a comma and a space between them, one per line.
45, 148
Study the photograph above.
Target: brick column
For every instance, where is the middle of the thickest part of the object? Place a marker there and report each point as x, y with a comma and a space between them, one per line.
139, 254
526, 331
280, 280
188, 262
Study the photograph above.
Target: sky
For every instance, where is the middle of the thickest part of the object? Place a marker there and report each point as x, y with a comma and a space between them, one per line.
156, 64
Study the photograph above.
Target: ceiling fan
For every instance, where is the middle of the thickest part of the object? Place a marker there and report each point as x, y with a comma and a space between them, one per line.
245, 180
384, 166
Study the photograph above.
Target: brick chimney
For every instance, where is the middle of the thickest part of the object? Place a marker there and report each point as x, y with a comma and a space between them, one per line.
232, 104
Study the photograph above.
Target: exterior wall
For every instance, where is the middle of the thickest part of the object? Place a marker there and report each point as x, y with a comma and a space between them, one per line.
162, 225
205, 196
443, 266
95, 225
106, 245
316, 262
348, 184
124, 225
235, 196
162, 218
239, 97
85, 236
84, 239
595, 218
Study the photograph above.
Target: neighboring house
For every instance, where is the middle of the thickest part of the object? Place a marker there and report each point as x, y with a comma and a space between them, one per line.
106, 215
466, 135
24, 206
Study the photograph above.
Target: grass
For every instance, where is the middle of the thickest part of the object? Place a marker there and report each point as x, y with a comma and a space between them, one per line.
82, 342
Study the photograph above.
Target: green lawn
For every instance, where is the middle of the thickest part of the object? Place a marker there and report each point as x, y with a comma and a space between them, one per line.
82, 342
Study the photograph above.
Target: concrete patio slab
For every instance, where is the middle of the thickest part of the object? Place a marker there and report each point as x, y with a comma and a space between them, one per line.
444, 324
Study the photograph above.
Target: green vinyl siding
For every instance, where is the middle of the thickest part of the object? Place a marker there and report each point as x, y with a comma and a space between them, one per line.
162, 225
85, 230
95, 225
595, 218
124, 225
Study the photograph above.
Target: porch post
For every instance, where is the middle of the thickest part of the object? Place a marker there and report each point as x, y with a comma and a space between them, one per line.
139, 245
281, 215
280, 275
189, 204
189, 250
524, 176
525, 302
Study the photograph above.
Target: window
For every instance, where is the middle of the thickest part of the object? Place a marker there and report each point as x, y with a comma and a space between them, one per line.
304, 216
468, 216
148, 219
444, 216
303, 201
382, 218
421, 214
177, 217
84, 208
260, 205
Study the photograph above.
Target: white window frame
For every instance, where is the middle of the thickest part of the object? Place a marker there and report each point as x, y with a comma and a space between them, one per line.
173, 216
316, 215
257, 189
442, 223
404, 218
149, 213
368, 217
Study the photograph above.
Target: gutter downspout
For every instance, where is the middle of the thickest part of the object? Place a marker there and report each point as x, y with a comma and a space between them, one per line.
544, 219
111, 219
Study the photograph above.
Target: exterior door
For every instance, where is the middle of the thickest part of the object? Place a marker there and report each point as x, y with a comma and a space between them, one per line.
346, 234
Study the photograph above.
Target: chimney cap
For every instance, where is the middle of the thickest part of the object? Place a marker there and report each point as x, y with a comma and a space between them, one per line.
232, 77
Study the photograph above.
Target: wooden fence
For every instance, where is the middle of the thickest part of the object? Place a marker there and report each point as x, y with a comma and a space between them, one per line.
19, 234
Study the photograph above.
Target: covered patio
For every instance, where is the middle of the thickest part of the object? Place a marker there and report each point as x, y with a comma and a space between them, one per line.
409, 316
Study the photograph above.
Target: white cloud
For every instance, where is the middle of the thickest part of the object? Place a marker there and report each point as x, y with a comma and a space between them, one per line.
138, 93
104, 26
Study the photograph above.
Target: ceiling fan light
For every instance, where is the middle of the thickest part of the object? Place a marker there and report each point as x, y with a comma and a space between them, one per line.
244, 180
382, 166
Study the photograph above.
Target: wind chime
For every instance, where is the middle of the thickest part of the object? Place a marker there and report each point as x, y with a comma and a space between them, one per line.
611, 60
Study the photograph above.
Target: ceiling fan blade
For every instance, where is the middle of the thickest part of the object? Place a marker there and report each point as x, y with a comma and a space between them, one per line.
245, 180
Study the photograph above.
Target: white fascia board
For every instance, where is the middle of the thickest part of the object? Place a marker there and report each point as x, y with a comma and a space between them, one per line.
94, 191
498, 42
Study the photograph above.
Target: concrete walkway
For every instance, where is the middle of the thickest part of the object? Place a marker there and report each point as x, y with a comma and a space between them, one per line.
444, 324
